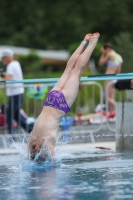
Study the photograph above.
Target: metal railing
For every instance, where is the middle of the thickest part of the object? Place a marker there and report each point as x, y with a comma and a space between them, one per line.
32, 105
90, 94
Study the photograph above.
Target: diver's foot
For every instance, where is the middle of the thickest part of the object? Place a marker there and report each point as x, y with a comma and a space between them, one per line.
88, 36
94, 38
86, 39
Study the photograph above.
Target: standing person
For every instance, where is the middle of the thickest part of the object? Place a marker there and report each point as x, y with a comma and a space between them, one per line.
14, 91
59, 101
114, 62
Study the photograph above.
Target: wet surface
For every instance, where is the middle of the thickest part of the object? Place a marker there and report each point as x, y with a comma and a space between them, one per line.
94, 175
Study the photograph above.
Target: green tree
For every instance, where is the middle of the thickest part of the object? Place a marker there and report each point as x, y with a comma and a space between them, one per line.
30, 62
58, 24
123, 44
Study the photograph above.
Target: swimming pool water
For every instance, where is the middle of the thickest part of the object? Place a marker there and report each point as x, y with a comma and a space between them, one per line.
95, 175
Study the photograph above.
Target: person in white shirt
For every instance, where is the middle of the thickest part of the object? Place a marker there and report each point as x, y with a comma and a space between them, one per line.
14, 91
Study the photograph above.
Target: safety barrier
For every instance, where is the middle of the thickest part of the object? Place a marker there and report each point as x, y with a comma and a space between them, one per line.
90, 94
35, 95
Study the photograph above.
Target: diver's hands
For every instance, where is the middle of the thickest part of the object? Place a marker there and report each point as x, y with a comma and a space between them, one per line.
41, 149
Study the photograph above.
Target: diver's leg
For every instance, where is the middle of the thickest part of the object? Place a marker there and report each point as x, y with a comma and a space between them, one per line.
71, 64
71, 87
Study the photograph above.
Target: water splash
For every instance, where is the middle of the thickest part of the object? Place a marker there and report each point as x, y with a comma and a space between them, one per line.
18, 142
26, 163
29, 165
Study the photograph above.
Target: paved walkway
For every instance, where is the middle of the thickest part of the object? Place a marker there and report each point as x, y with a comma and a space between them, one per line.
88, 146
72, 147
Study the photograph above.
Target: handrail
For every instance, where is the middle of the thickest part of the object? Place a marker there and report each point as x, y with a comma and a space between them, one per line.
86, 78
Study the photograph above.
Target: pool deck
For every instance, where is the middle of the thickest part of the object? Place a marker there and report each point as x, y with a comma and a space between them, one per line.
88, 146
73, 147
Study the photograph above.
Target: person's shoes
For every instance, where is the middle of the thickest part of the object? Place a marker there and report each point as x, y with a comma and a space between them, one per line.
111, 115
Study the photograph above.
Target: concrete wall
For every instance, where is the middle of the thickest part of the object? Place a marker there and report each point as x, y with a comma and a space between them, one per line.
124, 126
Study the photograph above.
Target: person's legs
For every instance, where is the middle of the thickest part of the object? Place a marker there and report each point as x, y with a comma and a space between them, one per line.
18, 99
111, 99
71, 64
10, 115
14, 106
71, 86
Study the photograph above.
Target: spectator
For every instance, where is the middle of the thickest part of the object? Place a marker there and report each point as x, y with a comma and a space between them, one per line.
14, 91
114, 62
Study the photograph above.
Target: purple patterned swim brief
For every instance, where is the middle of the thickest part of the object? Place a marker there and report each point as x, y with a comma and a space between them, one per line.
57, 100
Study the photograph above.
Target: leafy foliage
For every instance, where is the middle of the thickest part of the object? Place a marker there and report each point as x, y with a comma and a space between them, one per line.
59, 24
123, 44
30, 62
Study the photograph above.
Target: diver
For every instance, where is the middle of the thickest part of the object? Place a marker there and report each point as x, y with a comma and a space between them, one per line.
59, 100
